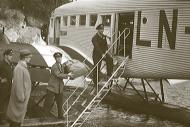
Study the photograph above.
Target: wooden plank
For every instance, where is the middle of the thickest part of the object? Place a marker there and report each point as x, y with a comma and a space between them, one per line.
42, 121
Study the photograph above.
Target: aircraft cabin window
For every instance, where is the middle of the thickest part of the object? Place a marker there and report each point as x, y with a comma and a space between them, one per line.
58, 21
65, 18
93, 19
51, 23
106, 20
73, 20
82, 20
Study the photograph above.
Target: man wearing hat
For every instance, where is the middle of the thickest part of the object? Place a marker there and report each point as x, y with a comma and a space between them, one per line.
100, 48
6, 72
55, 85
20, 91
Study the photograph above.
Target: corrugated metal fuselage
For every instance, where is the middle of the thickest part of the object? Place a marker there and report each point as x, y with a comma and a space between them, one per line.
160, 35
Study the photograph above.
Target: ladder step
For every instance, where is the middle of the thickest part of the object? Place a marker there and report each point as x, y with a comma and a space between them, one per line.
80, 108
105, 90
97, 100
88, 111
77, 124
87, 100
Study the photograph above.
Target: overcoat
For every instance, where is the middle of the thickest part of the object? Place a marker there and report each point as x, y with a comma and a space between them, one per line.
5, 72
56, 83
100, 45
20, 93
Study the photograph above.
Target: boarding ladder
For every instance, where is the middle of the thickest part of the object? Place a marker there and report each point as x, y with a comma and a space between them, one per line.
77, 108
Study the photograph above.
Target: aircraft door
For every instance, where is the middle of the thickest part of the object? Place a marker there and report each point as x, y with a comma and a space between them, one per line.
125, 20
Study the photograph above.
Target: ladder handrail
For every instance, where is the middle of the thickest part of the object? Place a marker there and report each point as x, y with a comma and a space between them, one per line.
100, 91
103, 95
93, 69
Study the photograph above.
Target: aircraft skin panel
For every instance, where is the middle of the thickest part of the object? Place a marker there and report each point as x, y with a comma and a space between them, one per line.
154, 62
18, 46
37, 59
103, 6
80, 41
47, 54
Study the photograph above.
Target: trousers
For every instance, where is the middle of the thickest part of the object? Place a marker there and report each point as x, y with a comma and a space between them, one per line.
4, 101
50, 100
109, 66
14, 124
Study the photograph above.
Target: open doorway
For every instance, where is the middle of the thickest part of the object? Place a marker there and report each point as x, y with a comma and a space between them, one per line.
126, 20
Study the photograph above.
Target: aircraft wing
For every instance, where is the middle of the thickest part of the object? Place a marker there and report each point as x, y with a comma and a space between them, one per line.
41, 61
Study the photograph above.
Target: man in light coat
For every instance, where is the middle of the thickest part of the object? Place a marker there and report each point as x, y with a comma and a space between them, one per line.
20, 91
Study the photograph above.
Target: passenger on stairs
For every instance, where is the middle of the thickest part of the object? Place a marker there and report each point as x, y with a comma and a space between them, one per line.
100, 48
55, 85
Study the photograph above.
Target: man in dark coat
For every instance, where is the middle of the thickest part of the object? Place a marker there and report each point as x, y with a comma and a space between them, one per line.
100, 48
6, 73
56, 84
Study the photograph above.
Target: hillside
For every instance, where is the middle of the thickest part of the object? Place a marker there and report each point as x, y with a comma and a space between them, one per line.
24, 17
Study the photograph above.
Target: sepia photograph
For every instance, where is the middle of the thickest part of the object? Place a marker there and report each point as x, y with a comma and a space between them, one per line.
94, 63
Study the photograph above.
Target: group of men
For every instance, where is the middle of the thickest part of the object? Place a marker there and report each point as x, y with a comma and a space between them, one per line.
15, 83
15, 87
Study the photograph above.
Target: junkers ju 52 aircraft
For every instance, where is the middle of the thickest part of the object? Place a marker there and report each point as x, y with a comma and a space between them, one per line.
151, 38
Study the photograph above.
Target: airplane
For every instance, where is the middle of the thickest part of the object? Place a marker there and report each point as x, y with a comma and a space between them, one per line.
153, 35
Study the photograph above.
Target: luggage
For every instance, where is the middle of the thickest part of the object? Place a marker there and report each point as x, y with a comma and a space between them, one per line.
77, 82
77, 68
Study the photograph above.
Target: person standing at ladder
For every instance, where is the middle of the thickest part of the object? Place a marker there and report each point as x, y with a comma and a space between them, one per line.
56, 84
100, 48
